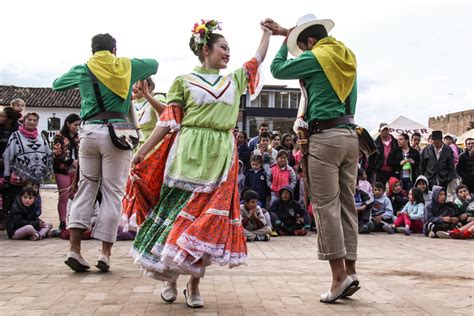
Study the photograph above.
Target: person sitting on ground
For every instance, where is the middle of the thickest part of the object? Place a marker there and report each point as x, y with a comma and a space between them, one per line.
22, 221
410, 218
382, 210
256, 180
440, 216
281, 175
397, 195
465, 204
288, 217
362, 182
263, 149
422, 184
253, 220
464, 232
64, 233
363, 204
38, 202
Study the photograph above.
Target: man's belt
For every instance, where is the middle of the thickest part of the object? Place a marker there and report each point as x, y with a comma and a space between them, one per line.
107, 116
318, 126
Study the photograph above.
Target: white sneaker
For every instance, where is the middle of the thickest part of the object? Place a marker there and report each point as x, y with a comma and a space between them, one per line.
329, 297
103, 263
443, 235
76, 262
169, 293
432, 234
193, 301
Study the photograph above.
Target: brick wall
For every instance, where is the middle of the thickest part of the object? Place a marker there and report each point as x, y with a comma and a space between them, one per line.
453, 123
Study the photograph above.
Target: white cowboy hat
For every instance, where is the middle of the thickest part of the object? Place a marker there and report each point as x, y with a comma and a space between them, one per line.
303, 23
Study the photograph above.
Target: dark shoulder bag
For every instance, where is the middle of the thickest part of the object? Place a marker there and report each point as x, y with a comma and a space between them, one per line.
123, 135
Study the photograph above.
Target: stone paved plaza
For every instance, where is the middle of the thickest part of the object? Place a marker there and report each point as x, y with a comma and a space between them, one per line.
399, 275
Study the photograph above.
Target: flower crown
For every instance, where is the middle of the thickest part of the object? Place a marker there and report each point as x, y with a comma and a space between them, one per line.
201, 32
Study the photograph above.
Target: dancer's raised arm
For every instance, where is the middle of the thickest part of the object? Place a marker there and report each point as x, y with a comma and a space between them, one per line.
264, 42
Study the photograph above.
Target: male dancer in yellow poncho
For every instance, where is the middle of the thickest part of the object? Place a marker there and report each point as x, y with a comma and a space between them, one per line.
326, 69
99, 160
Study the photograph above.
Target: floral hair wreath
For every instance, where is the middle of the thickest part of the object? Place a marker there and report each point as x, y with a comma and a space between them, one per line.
202, 32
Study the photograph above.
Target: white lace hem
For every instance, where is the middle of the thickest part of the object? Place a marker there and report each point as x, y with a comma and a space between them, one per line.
168, 262
172, 124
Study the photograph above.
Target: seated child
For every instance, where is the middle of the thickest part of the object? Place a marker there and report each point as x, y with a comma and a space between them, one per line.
87, 234
464, 232
253, 221
22, 221
281, 175
440, 216
465, 204
382, 211
422, 184
410, 219
363, 184
38, 203
396, 195
363, 203
288, 217
256, 180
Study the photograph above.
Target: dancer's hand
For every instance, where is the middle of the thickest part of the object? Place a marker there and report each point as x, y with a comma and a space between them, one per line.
136, 159
276, 28
265, 29
143, 87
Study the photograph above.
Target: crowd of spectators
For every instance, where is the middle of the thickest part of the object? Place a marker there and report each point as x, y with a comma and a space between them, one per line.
403, 187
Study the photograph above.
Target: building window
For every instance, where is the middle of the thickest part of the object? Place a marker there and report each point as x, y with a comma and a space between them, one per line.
294, 98
279, 125
262, 101
281, 100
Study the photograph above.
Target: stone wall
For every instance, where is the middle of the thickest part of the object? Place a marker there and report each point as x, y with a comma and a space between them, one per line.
453, 123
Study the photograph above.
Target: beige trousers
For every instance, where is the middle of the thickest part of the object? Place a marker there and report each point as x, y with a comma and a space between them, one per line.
332, 162
251, 234
101, 163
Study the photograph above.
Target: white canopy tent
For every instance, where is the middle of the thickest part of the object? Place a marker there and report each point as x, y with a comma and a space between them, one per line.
402, 125
462, 138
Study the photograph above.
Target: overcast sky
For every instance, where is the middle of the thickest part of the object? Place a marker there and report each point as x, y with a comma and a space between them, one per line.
414, 56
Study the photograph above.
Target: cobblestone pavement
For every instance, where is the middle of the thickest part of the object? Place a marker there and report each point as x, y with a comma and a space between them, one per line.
410, 275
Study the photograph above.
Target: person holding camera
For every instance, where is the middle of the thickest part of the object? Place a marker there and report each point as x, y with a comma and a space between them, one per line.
264, 149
